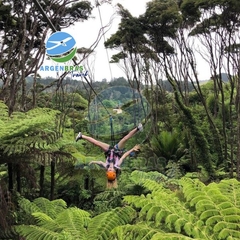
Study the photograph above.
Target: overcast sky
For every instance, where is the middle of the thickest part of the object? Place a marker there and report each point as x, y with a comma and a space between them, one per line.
85, 33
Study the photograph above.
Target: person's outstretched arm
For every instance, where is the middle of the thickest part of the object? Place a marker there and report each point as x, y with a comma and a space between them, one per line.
136, 148
99, 163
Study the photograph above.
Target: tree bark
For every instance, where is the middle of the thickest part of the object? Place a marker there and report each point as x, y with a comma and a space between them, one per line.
41, 181
18, 178
10, 177
238, 125
52, 179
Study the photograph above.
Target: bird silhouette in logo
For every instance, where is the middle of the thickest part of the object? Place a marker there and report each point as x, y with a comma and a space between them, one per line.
59, 43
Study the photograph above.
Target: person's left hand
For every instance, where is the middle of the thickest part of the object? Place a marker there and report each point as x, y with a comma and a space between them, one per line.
136, 148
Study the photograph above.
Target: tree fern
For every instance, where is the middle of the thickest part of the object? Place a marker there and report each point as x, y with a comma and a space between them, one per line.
74, 221
34, 232
28, 207
46, 222
140, 177
226, 232
230, 189
170, 236
202, 212
139, 231
33, 135
58, 205
208, 214
70, 223
100, 227
46, 206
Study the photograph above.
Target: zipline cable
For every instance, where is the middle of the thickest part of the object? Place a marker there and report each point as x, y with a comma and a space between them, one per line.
74, 61
100, 16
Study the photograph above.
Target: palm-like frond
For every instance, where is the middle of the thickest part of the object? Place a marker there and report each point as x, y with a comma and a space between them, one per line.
196, 211
70, 223
140, 231
33, 232
100, 227
32, 136
167, 145
46, 206
139, 177
28, 207
74, 221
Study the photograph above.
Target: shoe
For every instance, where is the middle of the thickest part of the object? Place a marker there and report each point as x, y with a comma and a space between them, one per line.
79, 136
140, 127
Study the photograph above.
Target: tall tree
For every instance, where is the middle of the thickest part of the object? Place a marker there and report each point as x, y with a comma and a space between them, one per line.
24, 31
176, 33
216, 26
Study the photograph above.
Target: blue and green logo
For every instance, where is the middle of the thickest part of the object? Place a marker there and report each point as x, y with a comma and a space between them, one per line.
61, 47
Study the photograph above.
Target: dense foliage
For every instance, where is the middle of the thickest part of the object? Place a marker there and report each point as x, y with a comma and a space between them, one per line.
191, 210
183, 184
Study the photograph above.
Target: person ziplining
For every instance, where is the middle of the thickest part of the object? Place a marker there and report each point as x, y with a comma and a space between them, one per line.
114, 154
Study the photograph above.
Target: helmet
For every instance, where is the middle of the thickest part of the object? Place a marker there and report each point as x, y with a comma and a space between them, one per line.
111, 176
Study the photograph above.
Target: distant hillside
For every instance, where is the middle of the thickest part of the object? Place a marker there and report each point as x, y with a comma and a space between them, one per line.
100, 85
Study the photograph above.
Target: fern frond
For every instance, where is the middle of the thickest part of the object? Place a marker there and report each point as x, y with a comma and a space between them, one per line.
42, 218
149, 205
188, 228
225, 205
230, 211
74, 221
34, 232
27, 206
211, 221
230, 188
218, 196
228, 232
202, 202
189, 186
222, 225
161, 216
201, 212
139, 231
100, 227
153, 186
219, 226
58, 205
232, 218
151, 213
46, 206
171, 236
209, 213
139, 177
193, 195
179, 224
137, 201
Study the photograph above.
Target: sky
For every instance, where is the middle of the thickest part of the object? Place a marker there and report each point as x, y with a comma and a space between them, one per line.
85, 33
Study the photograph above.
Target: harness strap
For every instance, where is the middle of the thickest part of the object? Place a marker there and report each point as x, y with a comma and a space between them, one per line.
112, 155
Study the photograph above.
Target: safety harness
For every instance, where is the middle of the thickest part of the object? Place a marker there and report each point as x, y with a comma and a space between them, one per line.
113, 155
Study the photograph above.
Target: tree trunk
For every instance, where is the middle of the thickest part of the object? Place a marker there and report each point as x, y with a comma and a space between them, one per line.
52, 179
18, 178
199, 138
10, 177
238, 126
238, 143
41, 181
